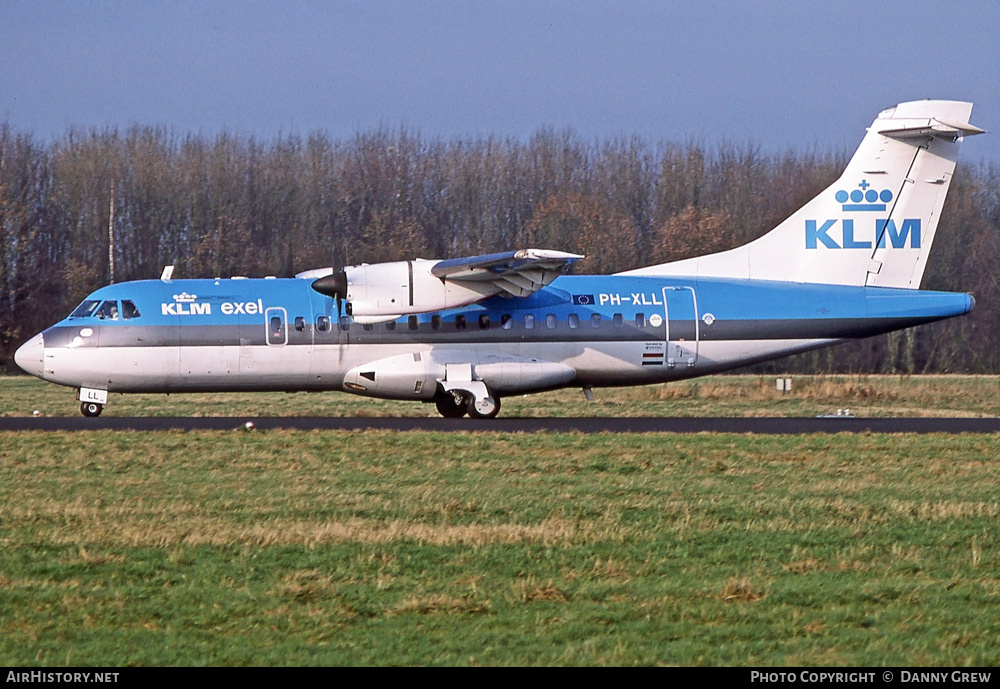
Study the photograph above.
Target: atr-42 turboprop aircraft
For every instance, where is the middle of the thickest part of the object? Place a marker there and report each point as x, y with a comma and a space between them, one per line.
464, 332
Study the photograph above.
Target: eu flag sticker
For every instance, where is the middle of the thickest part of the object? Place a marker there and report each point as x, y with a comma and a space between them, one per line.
583, 299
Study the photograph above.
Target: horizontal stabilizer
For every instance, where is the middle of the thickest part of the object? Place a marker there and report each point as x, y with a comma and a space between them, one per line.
947, 129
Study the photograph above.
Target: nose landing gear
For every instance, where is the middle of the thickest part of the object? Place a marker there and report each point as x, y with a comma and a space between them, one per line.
91, 408
92, 401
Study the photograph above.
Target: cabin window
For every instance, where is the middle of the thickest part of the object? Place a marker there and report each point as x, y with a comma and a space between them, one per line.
108, 310
86, 309
411, 322
460, 322
436, 322
345, 323
276, 325
506, 322
390, 326
551, 321
574, 321
484, 322
640, 320
367, 327
595, 320
618, 320
322, 323
129, 310
529, 321
300, 322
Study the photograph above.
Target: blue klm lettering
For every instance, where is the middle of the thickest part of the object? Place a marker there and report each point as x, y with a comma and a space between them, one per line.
817, 234
814, 233
849, 242
910, 228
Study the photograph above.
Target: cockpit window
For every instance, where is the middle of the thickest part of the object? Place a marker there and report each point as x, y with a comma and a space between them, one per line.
129, 310
108, 310
86, 309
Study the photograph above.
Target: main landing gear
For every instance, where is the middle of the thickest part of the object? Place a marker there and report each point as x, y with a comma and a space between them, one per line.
454, 404
485, 407
91, 408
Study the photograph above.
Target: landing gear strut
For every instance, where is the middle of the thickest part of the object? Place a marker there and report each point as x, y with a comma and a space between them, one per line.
91, 408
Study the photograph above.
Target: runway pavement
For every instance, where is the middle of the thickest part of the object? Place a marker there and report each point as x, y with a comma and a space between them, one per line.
767, 425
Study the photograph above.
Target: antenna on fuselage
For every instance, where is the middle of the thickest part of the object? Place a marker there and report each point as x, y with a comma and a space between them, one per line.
168, 272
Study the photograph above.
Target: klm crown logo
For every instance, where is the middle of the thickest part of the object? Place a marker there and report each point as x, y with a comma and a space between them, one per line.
864, 198
870, 233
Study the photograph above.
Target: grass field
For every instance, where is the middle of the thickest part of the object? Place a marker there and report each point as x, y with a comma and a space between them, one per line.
368, 548
378, 548
730, 395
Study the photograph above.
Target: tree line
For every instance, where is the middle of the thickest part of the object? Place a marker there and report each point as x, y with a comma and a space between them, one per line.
232, 204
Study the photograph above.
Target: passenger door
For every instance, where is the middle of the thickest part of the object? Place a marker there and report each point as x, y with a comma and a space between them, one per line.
680, 306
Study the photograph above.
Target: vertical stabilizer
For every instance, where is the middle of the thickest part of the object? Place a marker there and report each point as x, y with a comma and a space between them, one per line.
875, 225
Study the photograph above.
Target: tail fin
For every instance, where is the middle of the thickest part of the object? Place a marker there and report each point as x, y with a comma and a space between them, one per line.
875, 225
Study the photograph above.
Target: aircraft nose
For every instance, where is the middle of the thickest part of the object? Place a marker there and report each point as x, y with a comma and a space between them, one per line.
31, 356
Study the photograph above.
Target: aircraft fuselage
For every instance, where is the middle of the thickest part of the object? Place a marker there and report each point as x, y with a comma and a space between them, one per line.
280, 334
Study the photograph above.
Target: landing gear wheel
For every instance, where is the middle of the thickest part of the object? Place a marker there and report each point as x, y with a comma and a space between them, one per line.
450, 405
484, 408
91, 408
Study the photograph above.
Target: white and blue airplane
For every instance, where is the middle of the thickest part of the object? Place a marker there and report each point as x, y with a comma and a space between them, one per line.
465, 332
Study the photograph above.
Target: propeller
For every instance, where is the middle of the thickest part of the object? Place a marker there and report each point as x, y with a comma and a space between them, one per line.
335, 286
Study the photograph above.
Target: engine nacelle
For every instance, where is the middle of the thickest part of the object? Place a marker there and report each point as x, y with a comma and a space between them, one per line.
390, 290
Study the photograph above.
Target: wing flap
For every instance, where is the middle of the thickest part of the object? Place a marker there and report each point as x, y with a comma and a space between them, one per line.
517, 273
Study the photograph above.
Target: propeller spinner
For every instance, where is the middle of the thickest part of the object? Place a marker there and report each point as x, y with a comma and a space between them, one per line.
335, 286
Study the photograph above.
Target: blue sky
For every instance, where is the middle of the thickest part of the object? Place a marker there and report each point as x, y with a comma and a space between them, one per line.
779, 74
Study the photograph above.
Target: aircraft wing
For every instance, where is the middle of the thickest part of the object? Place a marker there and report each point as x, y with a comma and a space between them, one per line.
517, 273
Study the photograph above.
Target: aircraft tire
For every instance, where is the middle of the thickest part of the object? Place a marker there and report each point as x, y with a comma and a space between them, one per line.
449, 407
488, 407
91, 408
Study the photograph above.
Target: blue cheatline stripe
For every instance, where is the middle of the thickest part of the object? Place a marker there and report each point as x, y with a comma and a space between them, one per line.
748, 306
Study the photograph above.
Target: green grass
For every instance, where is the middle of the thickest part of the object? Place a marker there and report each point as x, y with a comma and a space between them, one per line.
378, 548
729, 395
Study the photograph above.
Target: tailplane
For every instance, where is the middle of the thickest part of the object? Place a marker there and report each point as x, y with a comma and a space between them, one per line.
875, 225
